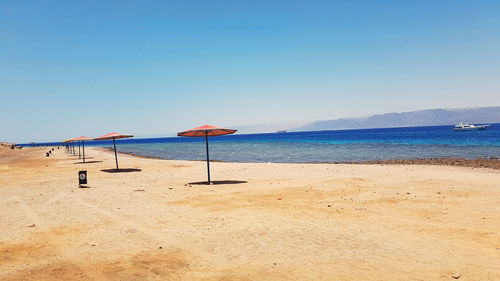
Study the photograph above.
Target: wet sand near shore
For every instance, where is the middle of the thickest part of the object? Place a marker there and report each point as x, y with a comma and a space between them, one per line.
262, 221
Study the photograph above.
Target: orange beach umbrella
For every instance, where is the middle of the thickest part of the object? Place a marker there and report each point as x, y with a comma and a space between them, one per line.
114, 136
206, 131
82, 139
69, 147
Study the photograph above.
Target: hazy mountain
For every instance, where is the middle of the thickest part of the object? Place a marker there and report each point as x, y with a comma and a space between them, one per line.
267, 128
427, 117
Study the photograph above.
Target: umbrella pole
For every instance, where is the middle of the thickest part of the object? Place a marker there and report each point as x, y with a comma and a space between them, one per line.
208, 161
83, 142
79, 155
116, 158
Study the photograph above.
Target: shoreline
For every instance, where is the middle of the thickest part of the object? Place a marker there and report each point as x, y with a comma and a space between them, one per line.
488, 163
109, 149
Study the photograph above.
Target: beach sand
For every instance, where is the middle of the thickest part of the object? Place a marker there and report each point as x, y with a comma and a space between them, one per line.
263, 221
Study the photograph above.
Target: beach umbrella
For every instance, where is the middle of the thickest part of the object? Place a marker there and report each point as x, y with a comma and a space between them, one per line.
114, 136
82, 139
65, 144
69, 141
206, 131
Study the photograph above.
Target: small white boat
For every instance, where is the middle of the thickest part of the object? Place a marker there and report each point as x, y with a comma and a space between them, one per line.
469, 127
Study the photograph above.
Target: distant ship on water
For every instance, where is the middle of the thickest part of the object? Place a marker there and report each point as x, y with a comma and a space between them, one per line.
469, 127
281, 132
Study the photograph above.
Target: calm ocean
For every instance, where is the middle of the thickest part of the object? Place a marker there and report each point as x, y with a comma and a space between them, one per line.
324, 146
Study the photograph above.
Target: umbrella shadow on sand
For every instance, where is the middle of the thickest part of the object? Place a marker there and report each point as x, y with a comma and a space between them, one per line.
88, 162
217, 182
131, 170
80, 159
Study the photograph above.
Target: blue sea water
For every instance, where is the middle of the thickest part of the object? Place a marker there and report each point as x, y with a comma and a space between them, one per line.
324, 146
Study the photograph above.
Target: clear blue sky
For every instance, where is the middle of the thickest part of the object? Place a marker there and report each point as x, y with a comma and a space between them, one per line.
70, 68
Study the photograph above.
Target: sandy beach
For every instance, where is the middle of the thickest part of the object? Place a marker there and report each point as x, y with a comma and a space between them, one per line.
262, 221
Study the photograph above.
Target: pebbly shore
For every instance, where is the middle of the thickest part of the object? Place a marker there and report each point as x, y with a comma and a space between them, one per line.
492, 162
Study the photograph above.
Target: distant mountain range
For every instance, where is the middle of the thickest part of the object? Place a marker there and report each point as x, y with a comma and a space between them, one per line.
428, 117
268, 128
